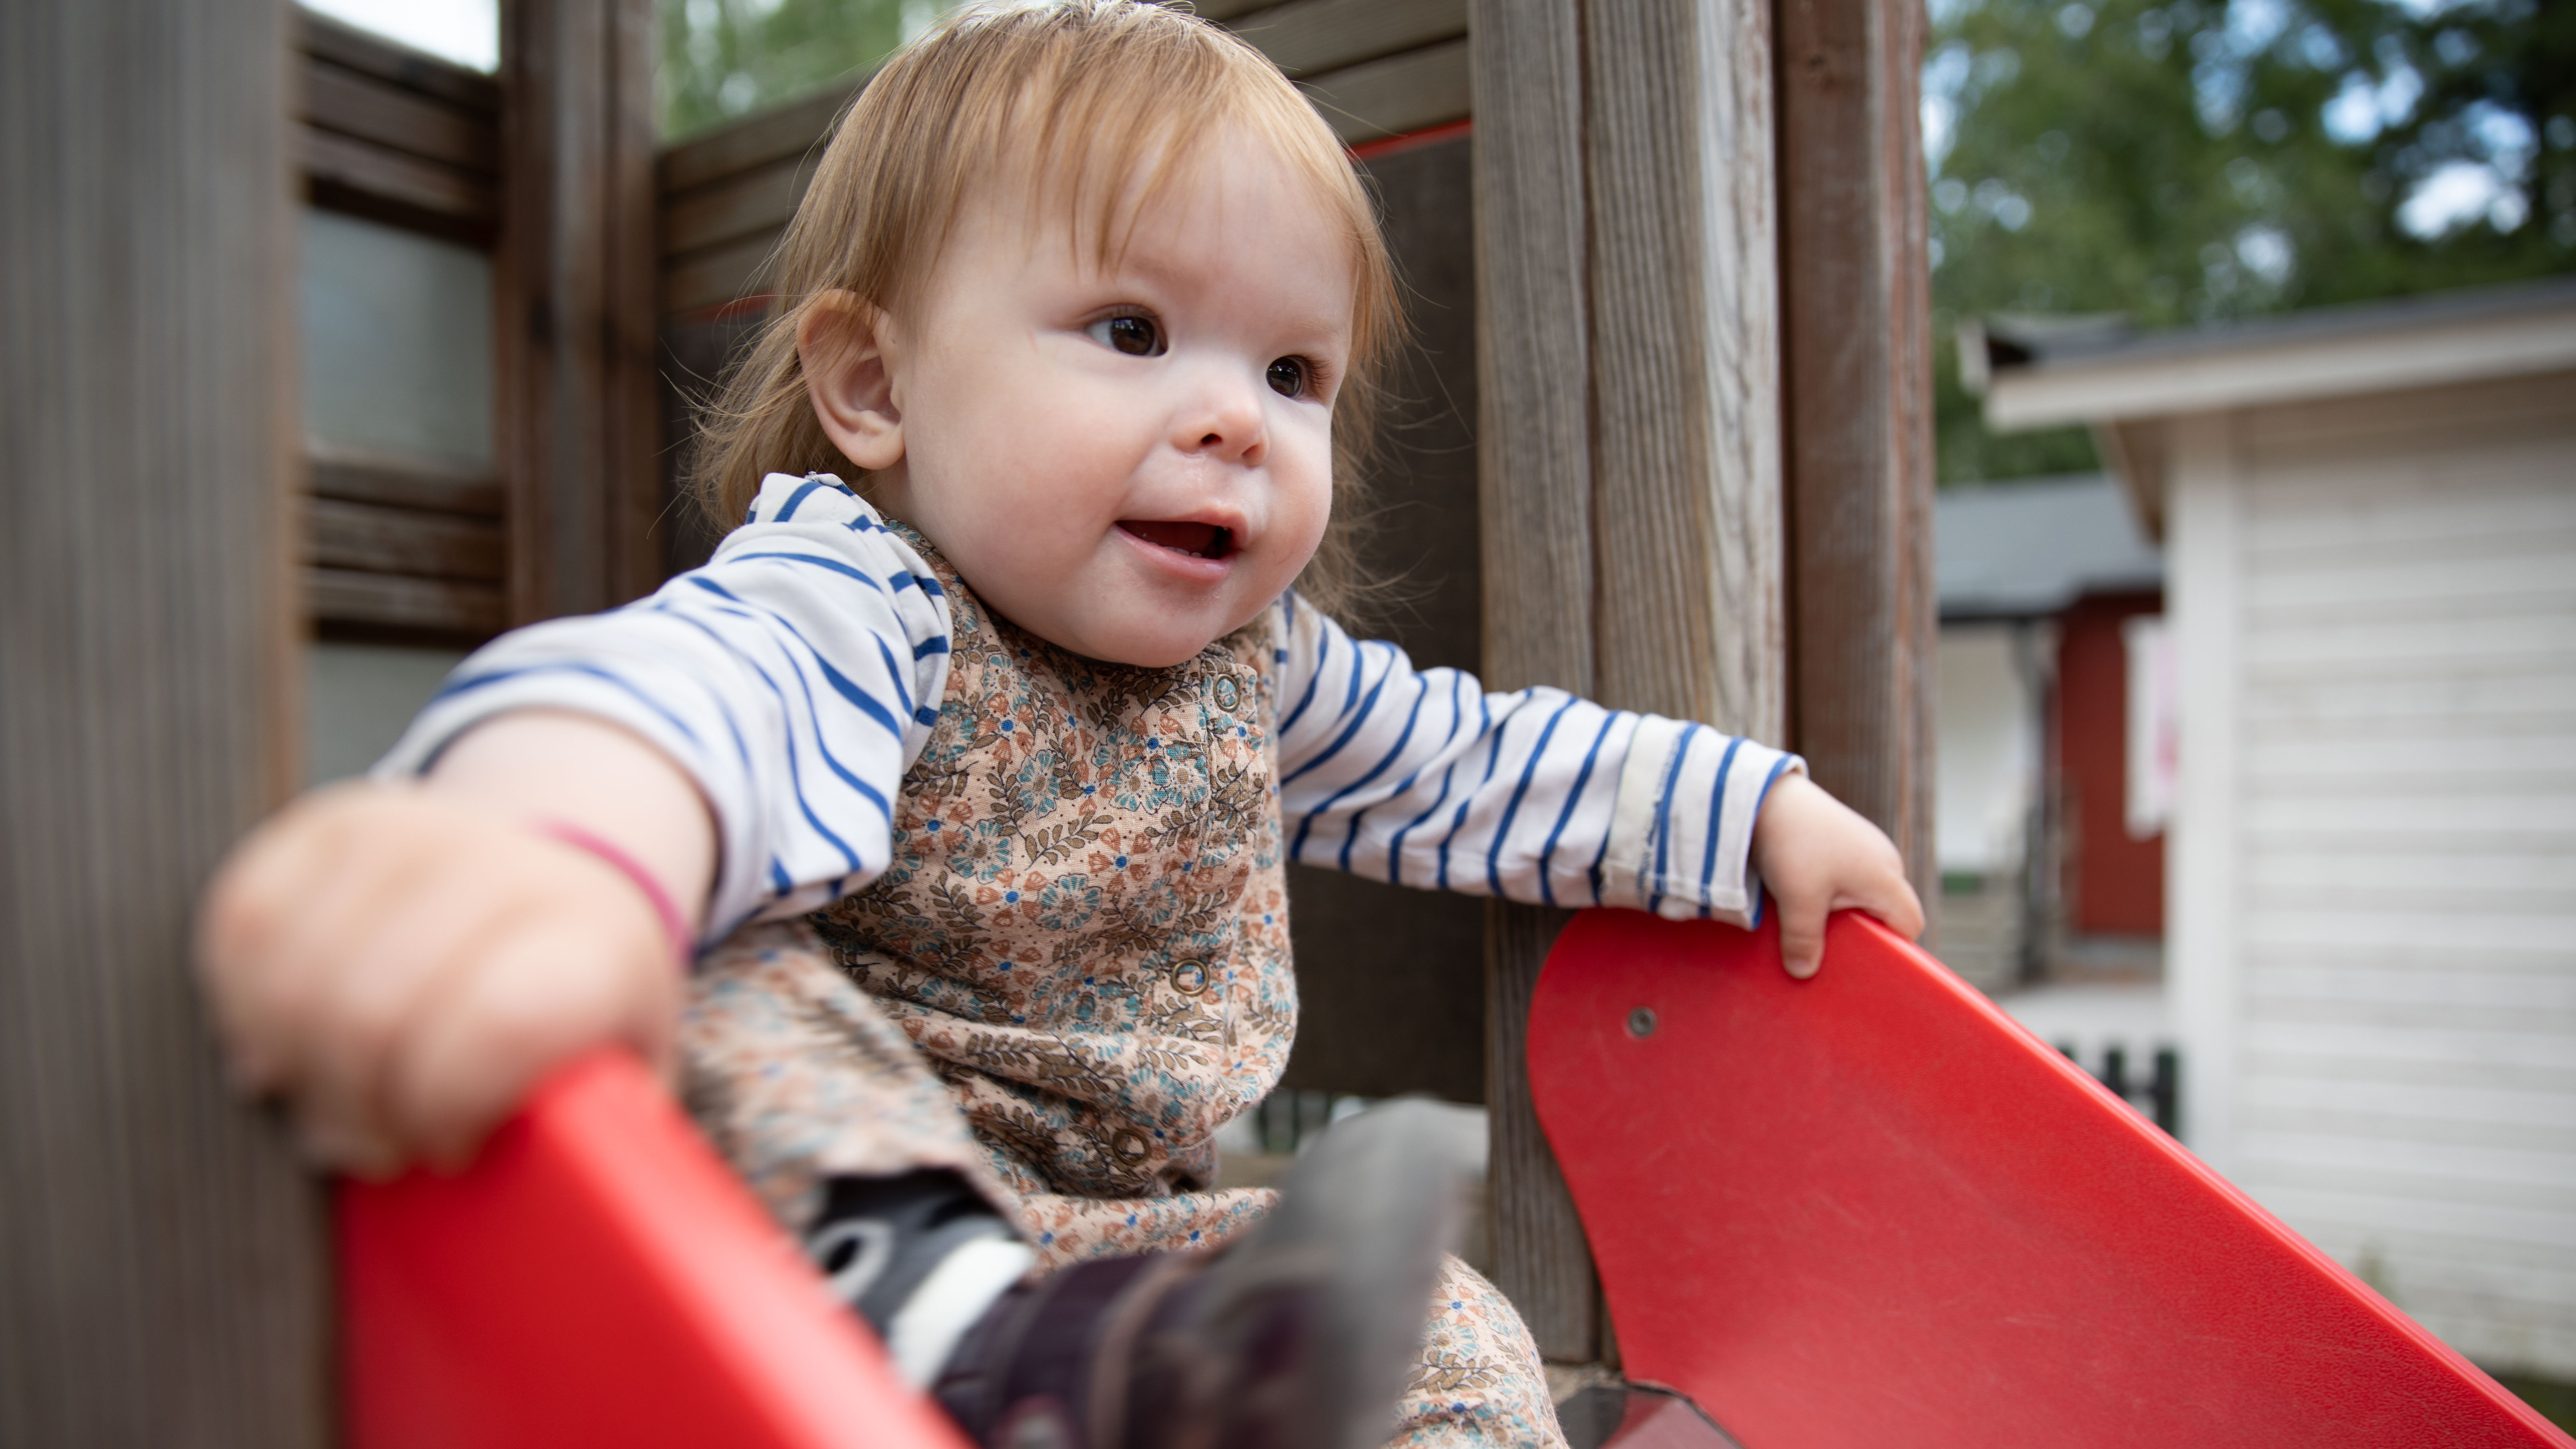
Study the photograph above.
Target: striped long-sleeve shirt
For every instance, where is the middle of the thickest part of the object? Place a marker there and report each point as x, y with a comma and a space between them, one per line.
796, 675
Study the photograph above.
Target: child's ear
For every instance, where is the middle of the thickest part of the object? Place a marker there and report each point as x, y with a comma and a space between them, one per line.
841, 344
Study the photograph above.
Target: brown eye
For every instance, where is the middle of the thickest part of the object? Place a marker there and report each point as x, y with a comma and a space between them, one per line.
1288, 377
1136, 336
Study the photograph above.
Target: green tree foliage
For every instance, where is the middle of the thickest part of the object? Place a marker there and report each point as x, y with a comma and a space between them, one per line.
2201, 160
726, 58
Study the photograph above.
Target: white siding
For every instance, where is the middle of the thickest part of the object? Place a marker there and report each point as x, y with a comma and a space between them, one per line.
1989, 775
2402, 981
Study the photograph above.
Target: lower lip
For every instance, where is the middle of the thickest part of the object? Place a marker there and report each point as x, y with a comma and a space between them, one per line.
1184, 565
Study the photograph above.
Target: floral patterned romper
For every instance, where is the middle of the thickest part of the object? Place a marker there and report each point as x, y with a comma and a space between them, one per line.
1074, 971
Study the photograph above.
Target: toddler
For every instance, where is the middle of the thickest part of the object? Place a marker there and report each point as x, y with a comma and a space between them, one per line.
964, 787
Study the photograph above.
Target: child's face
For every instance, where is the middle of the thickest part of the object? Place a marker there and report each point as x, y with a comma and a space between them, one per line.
1132, 461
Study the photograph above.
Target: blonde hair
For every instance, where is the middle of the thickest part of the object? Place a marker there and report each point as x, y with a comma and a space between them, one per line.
1085, 96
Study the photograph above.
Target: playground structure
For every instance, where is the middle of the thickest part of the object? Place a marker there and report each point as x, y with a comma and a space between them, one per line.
1699, 395
1860, 1210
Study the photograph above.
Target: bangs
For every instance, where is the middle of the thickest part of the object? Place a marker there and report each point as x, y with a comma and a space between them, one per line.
1098, 111
1096, 107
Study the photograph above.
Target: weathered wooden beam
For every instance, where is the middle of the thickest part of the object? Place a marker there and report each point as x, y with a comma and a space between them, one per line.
342, 170
394, 135
451, 610
1857, 347
1631, 449
355, 103
757, 202
1393, 95
332, 472
1534, 459
374, 538
163, 1272
351, 48
794, 131
1691, 617
578, 430
1310, 37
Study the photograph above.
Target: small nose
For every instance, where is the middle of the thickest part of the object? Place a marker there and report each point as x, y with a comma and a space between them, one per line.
1227, 422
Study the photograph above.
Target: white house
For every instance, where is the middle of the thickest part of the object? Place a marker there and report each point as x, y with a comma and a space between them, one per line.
2023, 570
2369, 519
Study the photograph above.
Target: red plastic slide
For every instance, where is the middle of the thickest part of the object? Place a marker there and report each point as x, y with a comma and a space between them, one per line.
1859, 1211
1871, 1210
598, 1277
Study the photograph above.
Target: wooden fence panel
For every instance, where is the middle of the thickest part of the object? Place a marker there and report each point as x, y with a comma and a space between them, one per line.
1859, 386
579, 423
1534, 453
1631, 449
162, 1275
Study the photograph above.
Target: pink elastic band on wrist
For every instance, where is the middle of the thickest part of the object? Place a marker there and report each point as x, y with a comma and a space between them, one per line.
674, 925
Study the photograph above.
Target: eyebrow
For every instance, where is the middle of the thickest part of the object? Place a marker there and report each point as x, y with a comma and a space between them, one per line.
1138, 262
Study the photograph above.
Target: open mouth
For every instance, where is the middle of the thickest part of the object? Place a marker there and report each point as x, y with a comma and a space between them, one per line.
1200, 540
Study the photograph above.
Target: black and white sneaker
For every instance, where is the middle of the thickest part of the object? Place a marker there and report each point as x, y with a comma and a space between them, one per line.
1298, 1335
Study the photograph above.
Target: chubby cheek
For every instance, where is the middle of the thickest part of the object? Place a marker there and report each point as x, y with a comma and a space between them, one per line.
1304, 505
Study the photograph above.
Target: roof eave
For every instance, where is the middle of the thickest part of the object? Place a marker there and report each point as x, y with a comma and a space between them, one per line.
2253, 367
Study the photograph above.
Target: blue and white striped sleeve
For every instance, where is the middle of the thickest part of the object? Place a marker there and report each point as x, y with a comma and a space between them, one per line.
795, 677
1422, 778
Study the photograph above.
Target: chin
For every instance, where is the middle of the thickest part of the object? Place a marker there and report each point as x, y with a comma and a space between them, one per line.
1158, 654
1158, 642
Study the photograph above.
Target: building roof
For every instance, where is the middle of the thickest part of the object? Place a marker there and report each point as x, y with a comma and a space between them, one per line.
2013, 550
2049, 372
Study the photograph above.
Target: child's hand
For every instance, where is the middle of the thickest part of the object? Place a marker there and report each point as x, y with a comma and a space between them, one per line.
1817, 856
402, 963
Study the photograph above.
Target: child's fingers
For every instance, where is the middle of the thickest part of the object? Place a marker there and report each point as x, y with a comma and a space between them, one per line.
301, 905
1905, 913
1891, 898
249, 907
1802, 933
362, 1018
557, 983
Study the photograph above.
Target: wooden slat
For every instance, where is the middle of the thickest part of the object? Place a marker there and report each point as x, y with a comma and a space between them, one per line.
756, 203
1856, 340
163, 1272
1313, 36
726, 196
400, 483
1390, 980
361, 106
1630, 448
784, 134
714, 278
380, 173
436, 606
579, 434
1541, 1260
353, 49
1229, 10
372, 538
1533, 448
1390, 97
1685, 363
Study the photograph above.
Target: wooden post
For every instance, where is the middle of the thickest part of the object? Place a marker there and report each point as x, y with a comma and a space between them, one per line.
1689, 619
1859, 386
1629, 451
579, 420
1534, 445
162, 1273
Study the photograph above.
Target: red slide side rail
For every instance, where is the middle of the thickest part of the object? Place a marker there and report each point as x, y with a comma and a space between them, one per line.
1870, 1210
598, 1277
